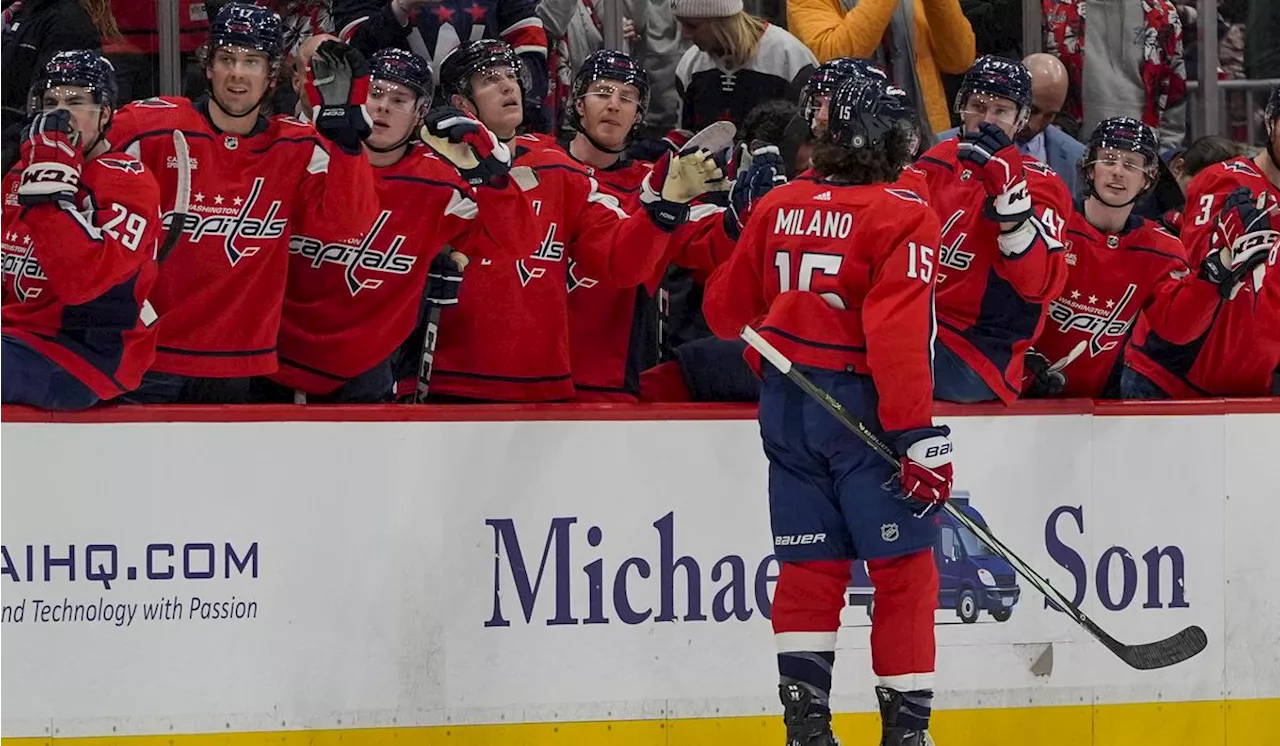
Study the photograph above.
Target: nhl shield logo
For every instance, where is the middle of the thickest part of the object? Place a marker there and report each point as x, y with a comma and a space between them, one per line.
889, 532
230, 143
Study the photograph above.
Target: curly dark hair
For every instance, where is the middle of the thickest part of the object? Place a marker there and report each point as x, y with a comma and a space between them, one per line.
871, 165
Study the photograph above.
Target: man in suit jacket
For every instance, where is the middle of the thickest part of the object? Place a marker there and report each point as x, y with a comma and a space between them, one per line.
1040, 138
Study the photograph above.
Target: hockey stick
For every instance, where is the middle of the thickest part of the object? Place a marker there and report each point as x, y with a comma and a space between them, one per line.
182, 199
1160, 654
431, 328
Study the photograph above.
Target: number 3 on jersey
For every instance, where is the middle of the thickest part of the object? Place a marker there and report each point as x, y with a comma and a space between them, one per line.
815, 269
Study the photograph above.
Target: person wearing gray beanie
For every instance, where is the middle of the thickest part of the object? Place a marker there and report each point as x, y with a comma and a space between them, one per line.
737, 62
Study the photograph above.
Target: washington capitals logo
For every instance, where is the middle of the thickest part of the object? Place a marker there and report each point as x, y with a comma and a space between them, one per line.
1082, 315
128, 165
952, 253
1241, 167
20, 264
358, 257
235, 228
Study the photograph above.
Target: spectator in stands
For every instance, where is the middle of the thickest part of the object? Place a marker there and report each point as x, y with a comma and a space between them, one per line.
933, 33
1134, 67
737, 62
1040, 138
433, 28
35, 31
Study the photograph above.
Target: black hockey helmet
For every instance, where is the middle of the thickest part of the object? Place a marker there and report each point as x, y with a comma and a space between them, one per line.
246, 25
610, 64
865, 110
79, 67
1121, 133
998, 76
472, 57
827, 78
406, 69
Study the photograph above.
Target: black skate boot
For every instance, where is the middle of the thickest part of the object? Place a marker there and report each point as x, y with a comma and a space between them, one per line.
891, 704
804, 726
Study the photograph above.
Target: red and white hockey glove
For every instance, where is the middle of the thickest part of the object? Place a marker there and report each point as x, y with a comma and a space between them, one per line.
999, 164
337, 87
1244, 241
925, 458
51, 151
470, 146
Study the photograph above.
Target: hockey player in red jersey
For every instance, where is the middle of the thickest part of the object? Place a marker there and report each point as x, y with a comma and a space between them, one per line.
1230, 229
352, 300
612, 329
1001, 258
80, 230
507, 339
837, 270
815, 100
1118, 265
253, 181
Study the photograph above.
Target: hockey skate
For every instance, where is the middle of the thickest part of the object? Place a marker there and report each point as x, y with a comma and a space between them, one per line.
804, 728
893, 734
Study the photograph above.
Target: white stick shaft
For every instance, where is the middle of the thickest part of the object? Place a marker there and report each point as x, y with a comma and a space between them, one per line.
768, 351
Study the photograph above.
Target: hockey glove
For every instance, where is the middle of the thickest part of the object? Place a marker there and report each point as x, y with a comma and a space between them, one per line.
762, 170
444, 279
1244, 241
999, 165
1040, 379
337, 87
925, 458
683, 177
51, 151
471, 147
676, 139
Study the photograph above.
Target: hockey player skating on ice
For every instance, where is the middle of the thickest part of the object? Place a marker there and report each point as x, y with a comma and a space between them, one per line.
1230, 228
837, 271
352, 300
1001, 261
1118, 265
254, 180
81, 226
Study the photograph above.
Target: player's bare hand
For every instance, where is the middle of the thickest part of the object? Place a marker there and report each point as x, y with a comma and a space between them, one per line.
629, 30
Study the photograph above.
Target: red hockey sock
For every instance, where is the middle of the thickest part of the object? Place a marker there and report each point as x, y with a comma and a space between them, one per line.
902, 642
664, 383
806, 615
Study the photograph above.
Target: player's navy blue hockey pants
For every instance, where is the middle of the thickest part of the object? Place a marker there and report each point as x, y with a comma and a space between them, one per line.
827, 495
33, 379
955, 381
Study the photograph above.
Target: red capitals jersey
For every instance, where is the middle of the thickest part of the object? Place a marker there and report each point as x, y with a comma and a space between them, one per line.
221, 288
990, 306
1240, 352
352, 301
842, 278
609, 324
76, 283
1110, 279
508, 337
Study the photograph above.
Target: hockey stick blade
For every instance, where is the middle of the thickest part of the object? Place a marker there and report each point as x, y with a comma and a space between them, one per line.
181, 198
1160, 654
